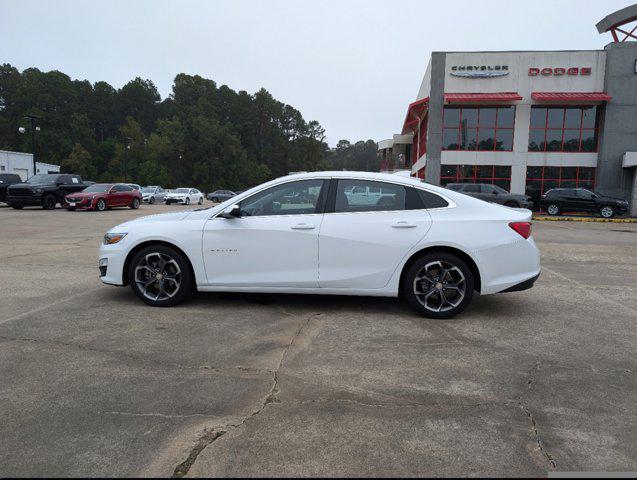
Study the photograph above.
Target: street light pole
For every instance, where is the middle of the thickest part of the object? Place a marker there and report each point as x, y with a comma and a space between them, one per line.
33, 119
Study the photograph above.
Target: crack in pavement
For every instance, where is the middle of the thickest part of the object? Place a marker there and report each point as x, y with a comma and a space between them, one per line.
538, 438
211, 435
143, 360
157, 415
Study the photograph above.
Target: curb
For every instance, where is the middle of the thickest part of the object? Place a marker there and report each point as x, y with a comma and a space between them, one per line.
585, 219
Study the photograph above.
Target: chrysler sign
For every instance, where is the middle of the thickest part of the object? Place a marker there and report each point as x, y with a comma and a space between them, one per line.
479, 71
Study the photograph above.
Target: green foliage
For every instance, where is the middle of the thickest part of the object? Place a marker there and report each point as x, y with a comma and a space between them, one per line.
202, 135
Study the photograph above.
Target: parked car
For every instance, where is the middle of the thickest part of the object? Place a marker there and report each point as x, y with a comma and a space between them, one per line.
135, 186
6, 180
153, 193
46, 189
220, 195
432, 245
492, 193
185, 196
101, 196
558, 200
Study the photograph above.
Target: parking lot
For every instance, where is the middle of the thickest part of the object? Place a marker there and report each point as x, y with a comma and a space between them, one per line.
95, 383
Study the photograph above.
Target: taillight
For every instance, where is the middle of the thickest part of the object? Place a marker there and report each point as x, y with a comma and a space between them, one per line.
523, 228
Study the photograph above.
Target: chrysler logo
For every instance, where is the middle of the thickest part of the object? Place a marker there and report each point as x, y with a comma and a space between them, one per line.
479, 71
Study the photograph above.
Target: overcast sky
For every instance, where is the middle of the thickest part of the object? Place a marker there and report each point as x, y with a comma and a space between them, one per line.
352, 65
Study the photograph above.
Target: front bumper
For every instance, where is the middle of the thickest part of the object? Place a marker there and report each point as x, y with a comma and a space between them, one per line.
111, 264
34, 199
84, 203
175, 200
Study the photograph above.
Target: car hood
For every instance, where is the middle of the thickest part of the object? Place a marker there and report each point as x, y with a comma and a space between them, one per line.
85, 194
176, 194
30, 185
160, 217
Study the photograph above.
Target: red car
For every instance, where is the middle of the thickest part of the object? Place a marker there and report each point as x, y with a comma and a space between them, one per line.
101, 196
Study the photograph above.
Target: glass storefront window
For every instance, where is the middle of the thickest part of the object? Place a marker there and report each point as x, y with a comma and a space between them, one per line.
563, 129
478, 128
541, 179
494, 174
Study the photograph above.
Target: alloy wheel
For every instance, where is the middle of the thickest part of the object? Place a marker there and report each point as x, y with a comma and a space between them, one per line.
440, 286
187, 200
553, 209
135, 204
158, 276
101, 205
607, 212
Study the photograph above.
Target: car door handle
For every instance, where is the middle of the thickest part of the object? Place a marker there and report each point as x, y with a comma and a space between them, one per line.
403, 224
303, 226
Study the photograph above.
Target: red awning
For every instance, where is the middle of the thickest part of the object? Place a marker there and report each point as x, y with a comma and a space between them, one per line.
571, 97
414, 112
482, 97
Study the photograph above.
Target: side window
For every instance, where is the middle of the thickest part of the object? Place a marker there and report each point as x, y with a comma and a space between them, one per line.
487, 189
431, 200
293, 198
64, 179
471, 188
349, 200
75, 179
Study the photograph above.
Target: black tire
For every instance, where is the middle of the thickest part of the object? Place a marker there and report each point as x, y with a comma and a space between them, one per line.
607, 211
215, 200
512, 204
49, 202
134, 204
185, 277
457, 294
553, 209
152, 200
187, 200
200, 202
17, 206
71, 209
100, 206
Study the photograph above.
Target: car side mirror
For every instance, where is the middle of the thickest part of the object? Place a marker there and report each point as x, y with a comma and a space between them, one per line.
234, 211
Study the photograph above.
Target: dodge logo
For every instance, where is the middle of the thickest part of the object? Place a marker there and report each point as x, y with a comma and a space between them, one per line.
559, 71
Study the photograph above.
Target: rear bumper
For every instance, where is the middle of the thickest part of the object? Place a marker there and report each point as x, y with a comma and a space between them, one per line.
525, 285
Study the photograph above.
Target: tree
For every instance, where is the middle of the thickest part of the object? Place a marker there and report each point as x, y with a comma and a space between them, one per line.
79, 162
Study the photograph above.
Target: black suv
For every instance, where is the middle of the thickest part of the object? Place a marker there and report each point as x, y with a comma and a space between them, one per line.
7, 179
493, 194
558, 200
44, 189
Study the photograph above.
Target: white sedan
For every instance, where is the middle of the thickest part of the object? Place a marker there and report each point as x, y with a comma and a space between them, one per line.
185, 196
310, 233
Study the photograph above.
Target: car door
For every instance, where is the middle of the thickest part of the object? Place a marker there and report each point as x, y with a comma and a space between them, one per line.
585, 200
570, 200
273, 244
360, 245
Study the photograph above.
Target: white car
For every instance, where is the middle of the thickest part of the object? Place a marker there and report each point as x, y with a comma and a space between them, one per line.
153, 193
184, 196
304, 234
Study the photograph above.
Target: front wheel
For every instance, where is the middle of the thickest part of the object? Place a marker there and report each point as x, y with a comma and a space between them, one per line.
160, 276
553, 209
438, 285
135, 204
152, 200
48, 202
607, 211
100, 206
200, 201
187, 200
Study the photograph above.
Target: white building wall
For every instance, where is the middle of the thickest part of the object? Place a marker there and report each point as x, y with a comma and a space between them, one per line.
16, 162
518, 80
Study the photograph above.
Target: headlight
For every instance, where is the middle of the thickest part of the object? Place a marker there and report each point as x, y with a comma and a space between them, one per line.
111, 238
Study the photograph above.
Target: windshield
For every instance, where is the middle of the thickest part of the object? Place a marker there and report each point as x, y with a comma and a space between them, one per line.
182, 190
43, 178
148, 189
97, 188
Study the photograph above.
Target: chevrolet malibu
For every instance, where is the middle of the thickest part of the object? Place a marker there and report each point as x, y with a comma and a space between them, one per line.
316, 233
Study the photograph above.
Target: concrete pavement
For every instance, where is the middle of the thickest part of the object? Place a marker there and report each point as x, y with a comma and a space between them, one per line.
95, 383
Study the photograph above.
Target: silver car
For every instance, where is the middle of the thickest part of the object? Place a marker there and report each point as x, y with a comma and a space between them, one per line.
153, 193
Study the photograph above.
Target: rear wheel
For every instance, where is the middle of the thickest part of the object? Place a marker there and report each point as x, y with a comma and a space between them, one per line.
160, 276
438, 285
215, 200
49, 202
553, 209
135, 204
607, 211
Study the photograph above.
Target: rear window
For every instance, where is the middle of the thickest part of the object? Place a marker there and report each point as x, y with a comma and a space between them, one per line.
431, 200
471, 188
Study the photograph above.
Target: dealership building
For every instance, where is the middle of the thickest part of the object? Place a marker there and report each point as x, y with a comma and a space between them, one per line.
527, 120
